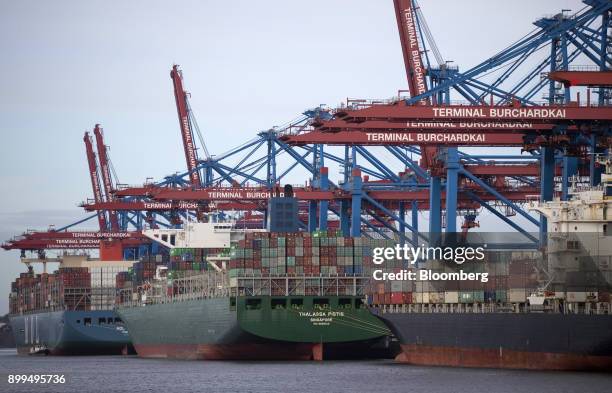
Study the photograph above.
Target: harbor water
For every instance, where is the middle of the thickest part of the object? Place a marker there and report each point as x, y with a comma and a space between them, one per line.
114, 374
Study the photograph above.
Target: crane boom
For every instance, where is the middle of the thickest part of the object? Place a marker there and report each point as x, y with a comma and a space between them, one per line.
413, 62
106, 175
95, 179
183, 114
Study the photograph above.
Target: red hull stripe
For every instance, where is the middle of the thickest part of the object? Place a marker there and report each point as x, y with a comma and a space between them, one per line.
247, 351
500, 358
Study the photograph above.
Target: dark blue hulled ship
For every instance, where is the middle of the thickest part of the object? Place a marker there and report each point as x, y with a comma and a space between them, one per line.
69, 312
70, 333
552, 311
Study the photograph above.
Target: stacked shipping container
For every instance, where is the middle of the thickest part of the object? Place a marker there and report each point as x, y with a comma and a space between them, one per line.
67, 288
512, 275
177, 261
322, 253
511, 278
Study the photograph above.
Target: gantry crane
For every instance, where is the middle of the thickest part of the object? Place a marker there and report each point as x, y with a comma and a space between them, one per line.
469, 181
106, 175
95, 179
182, 109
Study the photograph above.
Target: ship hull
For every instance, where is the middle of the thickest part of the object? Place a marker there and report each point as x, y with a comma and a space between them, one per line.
211, 329
70, 333
234, 351
518, 341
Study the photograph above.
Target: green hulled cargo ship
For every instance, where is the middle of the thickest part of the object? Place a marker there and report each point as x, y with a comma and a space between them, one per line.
256, 327
273, 296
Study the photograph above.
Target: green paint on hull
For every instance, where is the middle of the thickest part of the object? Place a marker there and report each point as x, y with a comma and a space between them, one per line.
199, 321
299, 319
244, 320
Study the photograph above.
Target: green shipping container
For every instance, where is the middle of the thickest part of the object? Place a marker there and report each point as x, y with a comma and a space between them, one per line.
478, 296
501, 295
466, 297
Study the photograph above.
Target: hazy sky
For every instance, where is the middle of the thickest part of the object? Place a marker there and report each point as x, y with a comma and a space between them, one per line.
67, 65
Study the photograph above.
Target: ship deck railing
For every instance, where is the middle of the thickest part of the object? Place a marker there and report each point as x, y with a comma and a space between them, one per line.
219, 284
586, 308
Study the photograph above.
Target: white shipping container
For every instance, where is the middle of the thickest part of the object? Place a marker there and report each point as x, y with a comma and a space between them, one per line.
577, 297
417, 297
517, 295
420, 297
396, 286
451, 297
436, 297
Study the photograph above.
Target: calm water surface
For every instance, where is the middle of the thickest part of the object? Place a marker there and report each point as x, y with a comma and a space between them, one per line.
110, 374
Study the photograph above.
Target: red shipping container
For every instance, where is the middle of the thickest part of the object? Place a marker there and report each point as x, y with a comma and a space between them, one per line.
397, 298
407, 296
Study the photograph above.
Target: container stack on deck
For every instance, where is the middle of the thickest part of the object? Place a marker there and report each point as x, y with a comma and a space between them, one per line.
322, 253
511, 278
123, 280
183, 259
144, 270
67, 288
179, 262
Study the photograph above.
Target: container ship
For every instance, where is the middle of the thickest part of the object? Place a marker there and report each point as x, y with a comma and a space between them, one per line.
549, 311
228, 293
68, 312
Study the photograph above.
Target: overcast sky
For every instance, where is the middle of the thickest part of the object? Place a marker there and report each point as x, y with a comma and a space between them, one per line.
67, 65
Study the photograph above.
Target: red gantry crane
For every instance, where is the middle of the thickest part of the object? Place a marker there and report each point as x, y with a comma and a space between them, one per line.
183, 114
106, 175
95, 179
413, 62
